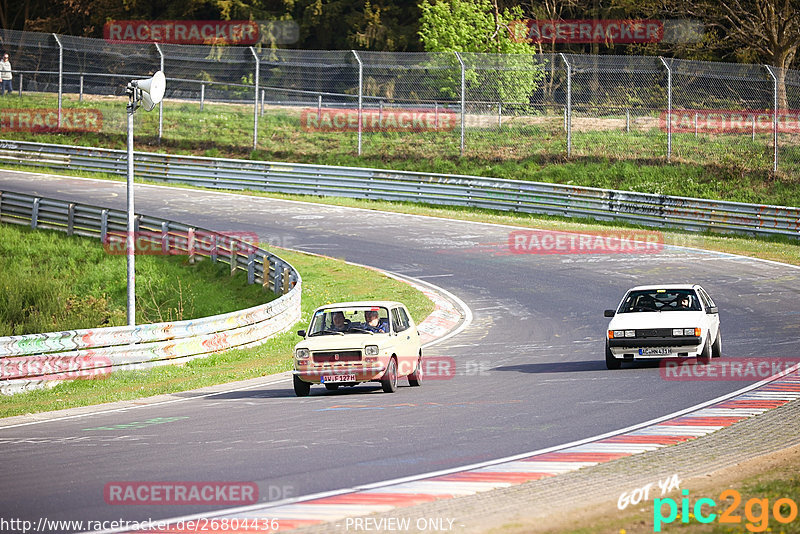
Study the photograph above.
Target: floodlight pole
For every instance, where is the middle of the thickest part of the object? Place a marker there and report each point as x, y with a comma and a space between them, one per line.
129, 241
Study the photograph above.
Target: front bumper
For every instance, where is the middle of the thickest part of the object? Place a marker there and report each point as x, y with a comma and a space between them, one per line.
638, 348
642, 342
363, 373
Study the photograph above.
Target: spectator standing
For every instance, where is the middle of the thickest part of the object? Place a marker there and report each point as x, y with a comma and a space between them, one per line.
5, 75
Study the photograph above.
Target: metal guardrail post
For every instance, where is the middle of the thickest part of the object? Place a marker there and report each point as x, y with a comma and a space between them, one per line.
70, 218
463, 99
35, 213
265, 272
202, 95
161, 103
255, 98
774, 118
568, 109
80, 90
285, 281
669, 107
21, 78
60, 75
233, 257
360, 96
251, 268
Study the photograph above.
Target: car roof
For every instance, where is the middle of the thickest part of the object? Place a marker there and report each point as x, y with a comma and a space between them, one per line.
665, 286
362, 303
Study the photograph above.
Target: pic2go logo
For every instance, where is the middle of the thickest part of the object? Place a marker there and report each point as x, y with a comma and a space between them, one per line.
756, 511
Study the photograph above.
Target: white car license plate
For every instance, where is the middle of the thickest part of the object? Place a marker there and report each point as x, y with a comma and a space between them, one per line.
662, 351
338, 378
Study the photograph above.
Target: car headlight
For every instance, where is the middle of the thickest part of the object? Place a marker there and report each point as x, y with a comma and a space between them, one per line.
677, 331
630, 333
301, 354
371, 350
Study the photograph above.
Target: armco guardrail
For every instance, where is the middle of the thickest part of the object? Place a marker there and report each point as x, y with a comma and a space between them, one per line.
452, 190
34, 360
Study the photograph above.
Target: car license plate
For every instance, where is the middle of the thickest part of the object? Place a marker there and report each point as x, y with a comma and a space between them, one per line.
655, 352
338, 378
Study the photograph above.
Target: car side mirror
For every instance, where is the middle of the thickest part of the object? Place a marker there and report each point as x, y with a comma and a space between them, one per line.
301, 333
712, 309
609, 313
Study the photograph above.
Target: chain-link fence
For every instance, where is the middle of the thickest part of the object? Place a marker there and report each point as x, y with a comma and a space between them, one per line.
549, 107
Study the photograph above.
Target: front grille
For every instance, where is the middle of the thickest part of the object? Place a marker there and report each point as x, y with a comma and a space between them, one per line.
336, 356
654, 332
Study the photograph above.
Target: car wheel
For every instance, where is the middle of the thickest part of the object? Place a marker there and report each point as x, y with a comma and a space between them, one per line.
389, 380
415, 378
611, 362
331, 387
705, 356
716, 348
301, 389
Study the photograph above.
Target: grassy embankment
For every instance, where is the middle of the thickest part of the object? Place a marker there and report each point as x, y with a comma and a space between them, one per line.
728, 167
45, 285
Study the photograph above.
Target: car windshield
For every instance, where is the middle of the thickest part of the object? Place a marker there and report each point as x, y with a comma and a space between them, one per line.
350, 320
652, 300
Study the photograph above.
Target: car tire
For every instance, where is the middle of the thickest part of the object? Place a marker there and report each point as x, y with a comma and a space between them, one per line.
389, 380
331, 387
716, 348
705, 357
612, 363
415, 378
301, 389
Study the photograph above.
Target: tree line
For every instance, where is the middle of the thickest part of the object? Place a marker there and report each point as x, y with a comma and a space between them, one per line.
753, 31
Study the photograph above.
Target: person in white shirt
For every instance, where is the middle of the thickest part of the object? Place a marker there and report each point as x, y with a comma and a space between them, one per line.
5, 75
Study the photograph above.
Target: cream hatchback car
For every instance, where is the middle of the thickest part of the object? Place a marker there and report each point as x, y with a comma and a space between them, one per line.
670, 321
353, 342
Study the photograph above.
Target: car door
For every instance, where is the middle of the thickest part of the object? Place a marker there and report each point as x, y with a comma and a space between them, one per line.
406, 346
712, 319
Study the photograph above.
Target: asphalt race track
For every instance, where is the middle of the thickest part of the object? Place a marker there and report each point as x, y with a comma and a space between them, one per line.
530, 366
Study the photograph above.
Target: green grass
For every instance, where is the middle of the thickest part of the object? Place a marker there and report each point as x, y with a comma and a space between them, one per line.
729, 167
325, 280
51, 282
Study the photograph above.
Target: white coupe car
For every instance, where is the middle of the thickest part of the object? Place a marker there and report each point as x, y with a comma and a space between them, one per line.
670, 321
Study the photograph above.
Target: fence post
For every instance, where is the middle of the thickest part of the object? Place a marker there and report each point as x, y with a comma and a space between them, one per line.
60, 75
569, 104
627, 121
360, 95
160, 104
263, 96
21, 77
255, 99
774, 118
499, 115
319, 108
463, 99
202, 95
80, 91
669, 108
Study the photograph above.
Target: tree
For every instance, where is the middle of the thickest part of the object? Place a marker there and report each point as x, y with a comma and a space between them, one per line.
766, 30
479, 26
